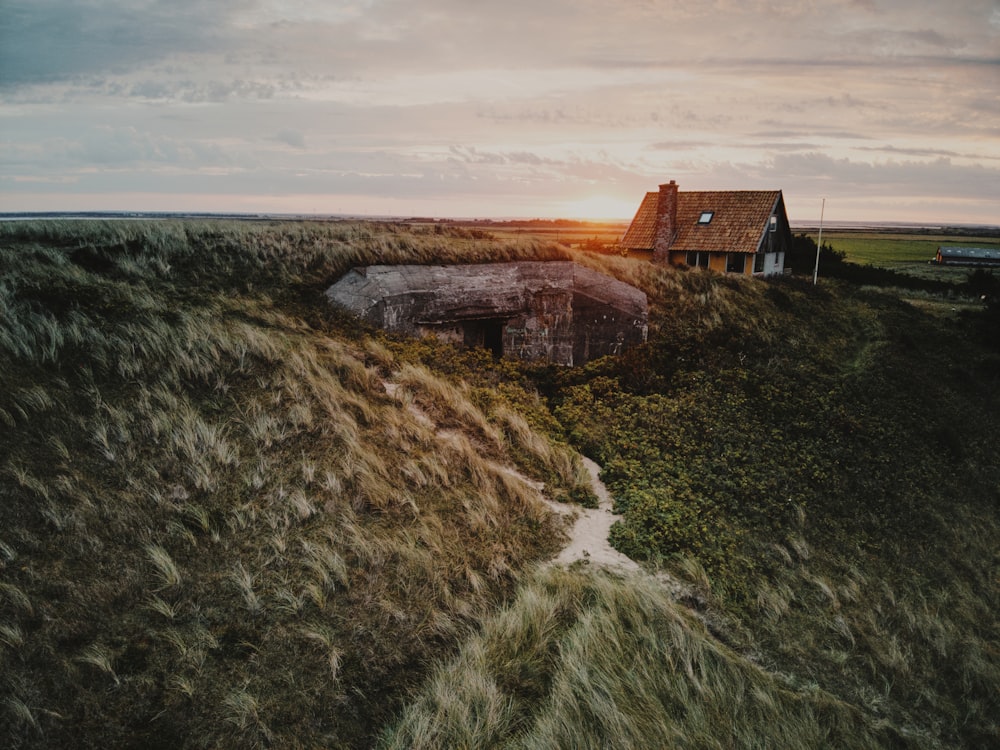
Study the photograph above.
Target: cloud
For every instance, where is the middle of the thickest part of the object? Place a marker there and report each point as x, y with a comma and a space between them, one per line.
52, 40
104, 147
939, 152
525, 101
677, 145
293, 138
847, 177
47, 40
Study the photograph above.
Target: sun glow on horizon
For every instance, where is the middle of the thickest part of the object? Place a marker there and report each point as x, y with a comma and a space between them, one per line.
599, 208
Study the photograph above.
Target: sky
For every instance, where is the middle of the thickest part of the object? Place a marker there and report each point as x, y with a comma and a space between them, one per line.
887, 110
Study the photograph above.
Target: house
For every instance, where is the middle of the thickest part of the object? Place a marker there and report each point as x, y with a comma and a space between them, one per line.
968, 256
729, 231
554, 311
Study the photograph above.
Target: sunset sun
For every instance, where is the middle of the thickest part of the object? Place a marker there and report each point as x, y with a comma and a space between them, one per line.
600, 207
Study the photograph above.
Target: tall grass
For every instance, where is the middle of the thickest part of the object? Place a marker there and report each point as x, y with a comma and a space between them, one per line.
230, 516
584, 659
210, 506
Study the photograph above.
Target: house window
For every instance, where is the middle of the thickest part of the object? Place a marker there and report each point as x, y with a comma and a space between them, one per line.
706, 216
758, 263
697, 259
735, 263
773, 226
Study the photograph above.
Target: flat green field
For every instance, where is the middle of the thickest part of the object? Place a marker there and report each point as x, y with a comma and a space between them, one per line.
889, 249
905, 253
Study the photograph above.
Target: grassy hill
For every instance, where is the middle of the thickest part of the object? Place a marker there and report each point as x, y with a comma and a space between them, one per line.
232, 517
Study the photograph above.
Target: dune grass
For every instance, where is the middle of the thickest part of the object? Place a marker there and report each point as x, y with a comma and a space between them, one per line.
586, 660
794, 457
218, 529
231, 516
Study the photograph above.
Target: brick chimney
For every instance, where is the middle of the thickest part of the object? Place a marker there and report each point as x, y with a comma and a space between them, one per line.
666, 221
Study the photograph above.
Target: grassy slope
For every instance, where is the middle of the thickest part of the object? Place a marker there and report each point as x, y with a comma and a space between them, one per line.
821, 466
842, 449
219, 528
582, 659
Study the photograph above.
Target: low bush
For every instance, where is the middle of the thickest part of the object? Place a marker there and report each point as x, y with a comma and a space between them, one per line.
815, 451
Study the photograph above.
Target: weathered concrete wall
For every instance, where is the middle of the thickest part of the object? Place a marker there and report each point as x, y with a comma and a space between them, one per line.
555, 311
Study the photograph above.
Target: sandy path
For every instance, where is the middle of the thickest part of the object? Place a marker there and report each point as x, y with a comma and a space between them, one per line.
589, 535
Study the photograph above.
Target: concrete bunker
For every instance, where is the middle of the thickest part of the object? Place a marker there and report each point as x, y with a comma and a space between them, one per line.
555, 311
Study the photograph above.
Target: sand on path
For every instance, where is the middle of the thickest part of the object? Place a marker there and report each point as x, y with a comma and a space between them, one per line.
588, 537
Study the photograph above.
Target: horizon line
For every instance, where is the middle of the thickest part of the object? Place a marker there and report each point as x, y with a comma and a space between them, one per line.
277, 215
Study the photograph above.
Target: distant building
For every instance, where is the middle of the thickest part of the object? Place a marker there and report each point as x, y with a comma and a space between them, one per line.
729, 231
968, 256
556, 311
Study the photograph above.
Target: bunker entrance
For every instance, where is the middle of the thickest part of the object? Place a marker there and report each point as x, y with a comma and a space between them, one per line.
486, 333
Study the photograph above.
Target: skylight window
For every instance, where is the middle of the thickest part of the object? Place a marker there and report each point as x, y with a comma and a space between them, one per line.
706, 216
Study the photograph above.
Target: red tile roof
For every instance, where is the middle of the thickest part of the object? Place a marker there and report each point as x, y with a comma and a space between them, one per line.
740, 219
641, 233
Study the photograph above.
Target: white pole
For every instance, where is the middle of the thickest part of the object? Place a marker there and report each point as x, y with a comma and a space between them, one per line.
819, 243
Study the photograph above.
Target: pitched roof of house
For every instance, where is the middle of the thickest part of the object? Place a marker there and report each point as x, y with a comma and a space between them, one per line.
641, 233
739, 220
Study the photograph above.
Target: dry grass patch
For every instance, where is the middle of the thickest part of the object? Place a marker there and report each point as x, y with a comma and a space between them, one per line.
585, 659
218, 529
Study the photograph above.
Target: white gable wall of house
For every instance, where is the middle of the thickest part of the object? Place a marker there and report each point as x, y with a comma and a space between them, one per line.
773, 264
762, 263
